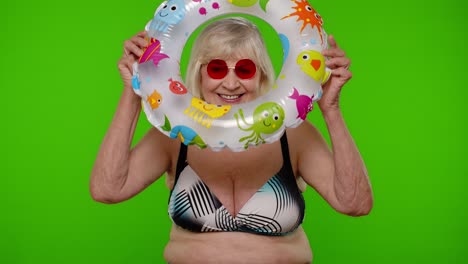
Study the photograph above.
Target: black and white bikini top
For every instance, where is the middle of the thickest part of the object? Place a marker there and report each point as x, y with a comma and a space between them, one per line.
276, 209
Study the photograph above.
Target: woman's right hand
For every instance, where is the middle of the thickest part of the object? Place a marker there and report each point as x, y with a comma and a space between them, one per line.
133, 49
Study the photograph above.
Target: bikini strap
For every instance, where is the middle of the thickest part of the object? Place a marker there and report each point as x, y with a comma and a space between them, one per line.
285, 151
181, 164
181, 161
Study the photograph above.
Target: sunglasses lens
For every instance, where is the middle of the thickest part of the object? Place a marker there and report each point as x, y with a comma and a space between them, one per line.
245, 69
217, 69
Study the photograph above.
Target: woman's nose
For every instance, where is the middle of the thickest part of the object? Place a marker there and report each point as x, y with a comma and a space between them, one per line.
231, 81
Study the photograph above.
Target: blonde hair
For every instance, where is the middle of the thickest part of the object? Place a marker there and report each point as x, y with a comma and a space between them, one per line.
225, 38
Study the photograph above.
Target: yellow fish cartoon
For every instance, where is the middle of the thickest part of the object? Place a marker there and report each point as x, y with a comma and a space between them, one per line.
155, 100
313, 64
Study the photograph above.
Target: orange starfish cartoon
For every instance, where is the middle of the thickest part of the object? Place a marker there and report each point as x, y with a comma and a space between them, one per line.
308, 15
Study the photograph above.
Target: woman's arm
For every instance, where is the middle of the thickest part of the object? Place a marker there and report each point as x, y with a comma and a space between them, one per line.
120, 172
339, 174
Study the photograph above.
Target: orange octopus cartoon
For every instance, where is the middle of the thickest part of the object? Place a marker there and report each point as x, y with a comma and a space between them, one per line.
308, 15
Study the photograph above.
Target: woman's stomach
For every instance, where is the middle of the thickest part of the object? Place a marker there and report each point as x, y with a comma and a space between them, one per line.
236, 247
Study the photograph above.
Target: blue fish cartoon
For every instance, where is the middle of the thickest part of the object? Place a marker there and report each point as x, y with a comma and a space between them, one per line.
187, 135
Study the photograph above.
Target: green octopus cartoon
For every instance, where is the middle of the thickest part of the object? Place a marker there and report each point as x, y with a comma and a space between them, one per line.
268, 118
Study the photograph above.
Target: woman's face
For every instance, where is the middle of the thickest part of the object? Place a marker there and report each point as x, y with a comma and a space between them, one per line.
234, 87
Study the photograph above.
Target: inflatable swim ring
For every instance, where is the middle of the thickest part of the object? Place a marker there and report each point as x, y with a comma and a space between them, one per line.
175, 112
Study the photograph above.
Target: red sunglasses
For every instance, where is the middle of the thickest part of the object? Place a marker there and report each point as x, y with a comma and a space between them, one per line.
244, 69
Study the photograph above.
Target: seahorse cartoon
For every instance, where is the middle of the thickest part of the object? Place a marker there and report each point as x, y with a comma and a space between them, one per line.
204, 113
303, 103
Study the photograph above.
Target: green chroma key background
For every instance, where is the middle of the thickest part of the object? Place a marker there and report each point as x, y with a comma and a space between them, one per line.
404, 107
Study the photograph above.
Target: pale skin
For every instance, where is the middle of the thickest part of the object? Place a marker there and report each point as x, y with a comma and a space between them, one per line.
338, 173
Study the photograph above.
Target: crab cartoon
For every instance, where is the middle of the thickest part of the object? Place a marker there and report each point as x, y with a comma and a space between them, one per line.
268, 118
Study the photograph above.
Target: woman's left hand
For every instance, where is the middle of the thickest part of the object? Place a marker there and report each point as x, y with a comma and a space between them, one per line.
340, 74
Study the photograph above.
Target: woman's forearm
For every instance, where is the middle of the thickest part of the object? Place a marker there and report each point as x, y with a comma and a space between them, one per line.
111, 166
351, 182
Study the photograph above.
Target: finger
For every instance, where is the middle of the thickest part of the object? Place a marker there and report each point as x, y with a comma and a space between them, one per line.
124, 62
337, 62
140, 41
125, 65
129, 68
333, 52
332, 42
342, 73
131, 48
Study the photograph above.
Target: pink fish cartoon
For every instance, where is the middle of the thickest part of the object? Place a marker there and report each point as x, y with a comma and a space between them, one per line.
153, 52
303, 103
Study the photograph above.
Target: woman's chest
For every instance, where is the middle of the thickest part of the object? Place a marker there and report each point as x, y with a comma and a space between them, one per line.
234, 177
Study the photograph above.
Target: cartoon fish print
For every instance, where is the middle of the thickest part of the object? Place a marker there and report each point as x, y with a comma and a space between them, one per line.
303, 103
312, 63
187, 135
136, 82
177, 87
307, 14
153, 52
285, 44
155, 99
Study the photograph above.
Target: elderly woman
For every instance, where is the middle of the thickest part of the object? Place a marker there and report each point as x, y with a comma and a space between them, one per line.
226, 208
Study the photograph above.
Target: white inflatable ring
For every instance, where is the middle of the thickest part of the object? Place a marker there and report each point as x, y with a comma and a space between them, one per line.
175, 112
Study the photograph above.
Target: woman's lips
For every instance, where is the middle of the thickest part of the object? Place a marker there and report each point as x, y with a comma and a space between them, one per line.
231, 99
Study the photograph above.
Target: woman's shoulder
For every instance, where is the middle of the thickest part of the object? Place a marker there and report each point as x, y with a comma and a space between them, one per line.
306, 131
161, 144
156, 137
305, 138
